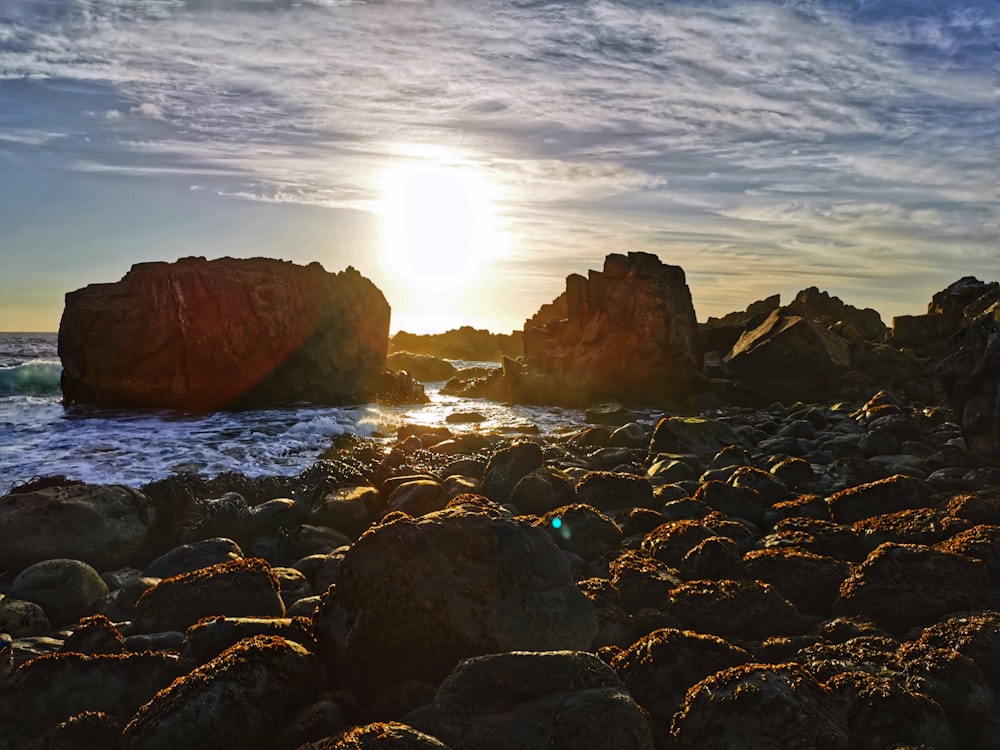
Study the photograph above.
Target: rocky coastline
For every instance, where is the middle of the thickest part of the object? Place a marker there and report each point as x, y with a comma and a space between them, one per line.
805, 555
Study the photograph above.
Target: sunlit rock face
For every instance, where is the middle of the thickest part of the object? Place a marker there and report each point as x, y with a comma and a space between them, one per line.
629, 333
205, 335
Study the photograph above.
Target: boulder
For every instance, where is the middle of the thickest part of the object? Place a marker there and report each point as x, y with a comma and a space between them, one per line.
466, 343
379, 735
789, 358
239, 588
195, 556
20, 618
609, 491
541, 491
629, 334
50, 689
420, 594
970, 376
210, 636
747, 610
422, 366
760, 706
205, 335
562, 700
820, 307
106, 527
582, 530
811, 582
240, 699
974, 635
507, 467
900, 586
883, 496
65, 589
686, 435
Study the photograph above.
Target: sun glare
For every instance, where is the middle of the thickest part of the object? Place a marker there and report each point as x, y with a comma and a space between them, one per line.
439, 225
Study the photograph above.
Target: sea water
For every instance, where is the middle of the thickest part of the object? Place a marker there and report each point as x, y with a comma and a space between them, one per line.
39, 436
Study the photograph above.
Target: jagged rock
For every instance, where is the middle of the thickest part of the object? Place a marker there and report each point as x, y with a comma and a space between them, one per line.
719, 334
562, 700
629, 334
420, 594
240, 699
889, 495
789, 358
421, 366
749, 610
759, 706
210, 636
95, 635
971, 379
467, 343
972, 634
204, 335
820, 307
104, 526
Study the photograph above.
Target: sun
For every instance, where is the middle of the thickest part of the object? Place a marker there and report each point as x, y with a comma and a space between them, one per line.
439, 224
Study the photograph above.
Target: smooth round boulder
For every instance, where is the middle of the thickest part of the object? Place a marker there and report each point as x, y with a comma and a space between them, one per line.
19, 618
65, 589
809, 581
194, 556
582, 530
542, 490
742, 610
239, 699
507, 466
106, 527
608, 491
420, 594
759, 707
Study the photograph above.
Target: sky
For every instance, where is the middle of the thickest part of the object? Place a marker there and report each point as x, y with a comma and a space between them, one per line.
467, 155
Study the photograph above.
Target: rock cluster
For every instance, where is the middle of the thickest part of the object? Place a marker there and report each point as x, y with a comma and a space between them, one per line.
804, 575
205, 335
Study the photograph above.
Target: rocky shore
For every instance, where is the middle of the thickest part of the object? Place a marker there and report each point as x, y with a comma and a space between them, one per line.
821, 575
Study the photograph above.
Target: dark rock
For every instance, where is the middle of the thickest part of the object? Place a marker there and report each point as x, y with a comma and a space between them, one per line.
239, 699
972, 634
65, 589
900, 586
170, 641
466, 343
421, 594
87, 730
760, 706
50, 689
953, 680
204, 335
558, 700
683, 435
638, 520
747, 610
920, 526
670, 541
582, 530
816, 535
608, 491
811, 582
239, 588
541, 491
738, 502
971, 379
347, 509
418, 497
978, 508
20, 618
611, 414
641, 581
877, 498
210, 636
507, 467
104, 526
195, 556
95, 635
317, 721
421, 366
269, 517
379, 736
980, 543
659, 668
804, 506
614, 626
881, 713
789, 357
716, 557
820, 307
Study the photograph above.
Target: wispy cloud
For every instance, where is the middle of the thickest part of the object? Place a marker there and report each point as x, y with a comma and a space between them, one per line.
805, 139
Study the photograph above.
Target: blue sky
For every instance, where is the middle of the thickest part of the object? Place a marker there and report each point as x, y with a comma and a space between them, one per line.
763, 146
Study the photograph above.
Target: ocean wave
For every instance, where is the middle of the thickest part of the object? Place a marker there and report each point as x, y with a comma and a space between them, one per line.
37, 378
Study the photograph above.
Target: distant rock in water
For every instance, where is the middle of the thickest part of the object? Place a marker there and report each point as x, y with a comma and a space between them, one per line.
460, 343
204, 335
629, 334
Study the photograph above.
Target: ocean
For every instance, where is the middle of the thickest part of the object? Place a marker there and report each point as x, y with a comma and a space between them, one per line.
39, 436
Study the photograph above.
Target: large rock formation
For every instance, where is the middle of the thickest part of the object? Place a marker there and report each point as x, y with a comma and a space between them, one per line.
629, 333
466, 343
204, 335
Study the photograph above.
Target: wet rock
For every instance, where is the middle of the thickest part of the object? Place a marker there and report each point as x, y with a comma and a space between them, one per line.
697, 435
106, 527
818, 536
954, 681
421, 594
631, 435
87, 730
170, 641
921, 526
811, 582
194, 556
547, 700
20, 618
317, 721
506, 468
980, 508
292, 585
347, 509
379, 736
418, 497
204, 335
269, 517
760, 706
900, 586
659, 668
888, 495
210, 636
980, 543
239, 699
238, 588
95, 635
641, 581
882, 713
65, 589
803, 506
714, 558
740, 610
542, 490
795, 473
638, 520
607, 491
614, 626
423, 367
50, 689
582, 530
739, 502
874, 654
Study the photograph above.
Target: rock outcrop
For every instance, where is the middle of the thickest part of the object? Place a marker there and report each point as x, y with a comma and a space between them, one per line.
468, 343
629, 334
205, 335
